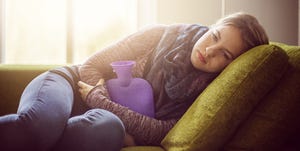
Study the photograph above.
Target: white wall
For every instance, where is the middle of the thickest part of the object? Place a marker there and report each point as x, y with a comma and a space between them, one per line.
279, 17
189, 11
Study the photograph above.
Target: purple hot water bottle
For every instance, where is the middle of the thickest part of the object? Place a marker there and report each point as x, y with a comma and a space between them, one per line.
134, 93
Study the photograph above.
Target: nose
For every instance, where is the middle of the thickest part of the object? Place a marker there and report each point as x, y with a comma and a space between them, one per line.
210, 51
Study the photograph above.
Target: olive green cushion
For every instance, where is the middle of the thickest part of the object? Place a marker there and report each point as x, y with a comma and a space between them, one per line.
227, 101
276, 118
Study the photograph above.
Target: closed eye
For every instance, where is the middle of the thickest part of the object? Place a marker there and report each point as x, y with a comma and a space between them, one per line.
215, 35
227, 55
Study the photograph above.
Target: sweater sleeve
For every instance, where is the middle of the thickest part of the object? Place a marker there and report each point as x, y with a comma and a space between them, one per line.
133, 47
145, 130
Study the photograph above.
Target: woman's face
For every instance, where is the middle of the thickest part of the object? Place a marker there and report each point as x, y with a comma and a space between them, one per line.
217, 48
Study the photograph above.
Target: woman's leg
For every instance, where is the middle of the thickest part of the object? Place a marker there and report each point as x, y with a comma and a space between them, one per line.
95, 130
44, 109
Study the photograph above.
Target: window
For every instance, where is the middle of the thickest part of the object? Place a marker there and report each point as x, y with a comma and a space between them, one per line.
62, 31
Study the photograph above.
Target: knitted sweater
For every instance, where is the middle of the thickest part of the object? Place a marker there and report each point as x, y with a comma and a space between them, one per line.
138, 47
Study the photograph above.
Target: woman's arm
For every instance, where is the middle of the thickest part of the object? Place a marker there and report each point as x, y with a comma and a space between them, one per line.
133, 47
145, 130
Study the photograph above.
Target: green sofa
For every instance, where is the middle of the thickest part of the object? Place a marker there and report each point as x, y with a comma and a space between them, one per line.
254, 104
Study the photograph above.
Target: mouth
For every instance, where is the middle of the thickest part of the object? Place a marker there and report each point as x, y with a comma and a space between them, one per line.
201, 58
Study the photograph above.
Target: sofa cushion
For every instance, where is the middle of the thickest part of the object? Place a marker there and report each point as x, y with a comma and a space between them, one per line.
276, 119
228, 100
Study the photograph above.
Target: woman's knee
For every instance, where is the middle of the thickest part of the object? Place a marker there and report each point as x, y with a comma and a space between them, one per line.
43, 112
18, 132
100, 117
99, 121
96, 129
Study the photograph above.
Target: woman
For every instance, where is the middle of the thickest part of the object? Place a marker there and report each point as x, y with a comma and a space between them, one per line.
183, 60
179, 61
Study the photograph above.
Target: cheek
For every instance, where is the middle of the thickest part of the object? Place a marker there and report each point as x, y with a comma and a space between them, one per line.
199, 46
219, 64
203, 41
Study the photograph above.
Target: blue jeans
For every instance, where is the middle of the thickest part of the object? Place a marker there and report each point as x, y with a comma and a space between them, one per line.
45, 120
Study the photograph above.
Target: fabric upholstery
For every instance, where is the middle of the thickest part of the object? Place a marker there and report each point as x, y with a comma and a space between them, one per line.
228, 100
276, 119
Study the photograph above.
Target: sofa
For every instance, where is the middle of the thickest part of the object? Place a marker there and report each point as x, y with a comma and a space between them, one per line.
254, 104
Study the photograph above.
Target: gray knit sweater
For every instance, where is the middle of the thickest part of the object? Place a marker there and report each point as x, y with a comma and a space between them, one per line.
138, 46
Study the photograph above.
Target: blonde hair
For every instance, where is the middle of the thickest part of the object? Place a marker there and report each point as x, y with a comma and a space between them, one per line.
253, 34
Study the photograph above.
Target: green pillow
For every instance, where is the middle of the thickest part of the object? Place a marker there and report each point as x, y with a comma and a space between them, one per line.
276, 119
227, 101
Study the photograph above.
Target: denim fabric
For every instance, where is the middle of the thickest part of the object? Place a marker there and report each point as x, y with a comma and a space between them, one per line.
44, 116
97, 129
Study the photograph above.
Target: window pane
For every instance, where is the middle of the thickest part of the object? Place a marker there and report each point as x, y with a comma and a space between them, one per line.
98, 23
35, 31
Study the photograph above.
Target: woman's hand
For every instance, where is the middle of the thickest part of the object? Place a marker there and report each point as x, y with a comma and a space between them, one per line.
85, 88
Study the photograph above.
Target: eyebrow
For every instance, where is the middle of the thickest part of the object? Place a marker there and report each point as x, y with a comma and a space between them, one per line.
218, 34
